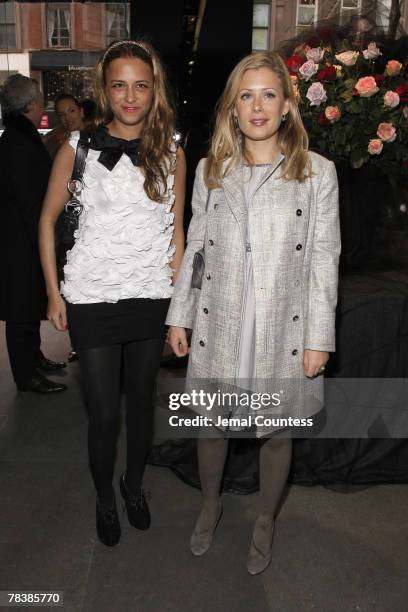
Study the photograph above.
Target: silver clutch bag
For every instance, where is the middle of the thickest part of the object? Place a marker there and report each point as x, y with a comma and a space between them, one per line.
199, 260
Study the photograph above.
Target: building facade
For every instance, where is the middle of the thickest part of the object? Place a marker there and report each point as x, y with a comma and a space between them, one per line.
58, 43
279, 20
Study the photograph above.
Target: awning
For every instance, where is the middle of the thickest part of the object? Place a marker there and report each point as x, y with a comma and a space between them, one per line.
43, 60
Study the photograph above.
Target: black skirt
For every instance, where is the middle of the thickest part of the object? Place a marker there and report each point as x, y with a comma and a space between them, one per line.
104, 324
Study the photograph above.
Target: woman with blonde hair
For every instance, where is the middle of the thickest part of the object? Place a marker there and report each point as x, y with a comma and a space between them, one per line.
265, 209
118, 276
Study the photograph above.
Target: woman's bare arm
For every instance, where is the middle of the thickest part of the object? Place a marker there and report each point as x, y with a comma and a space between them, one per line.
56, 197
179, 189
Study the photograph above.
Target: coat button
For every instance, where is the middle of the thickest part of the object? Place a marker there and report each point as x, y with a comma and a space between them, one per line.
299, 212
208, 276
295, 318
294, 352
205, 310
211, 242
298, 247
202, 343
215, 206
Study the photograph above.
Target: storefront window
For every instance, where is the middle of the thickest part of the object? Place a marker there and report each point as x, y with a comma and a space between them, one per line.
58, 24
7, 25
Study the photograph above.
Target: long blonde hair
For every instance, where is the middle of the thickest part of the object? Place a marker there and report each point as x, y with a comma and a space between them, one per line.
226, 148
156, 151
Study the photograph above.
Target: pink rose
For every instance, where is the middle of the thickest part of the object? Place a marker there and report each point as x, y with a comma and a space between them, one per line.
308, 69
391, 99
366, 86
375, 146
372, 51
387, 132
332, 113
393, 68
348, 58
316, 94
315, 55
405, 112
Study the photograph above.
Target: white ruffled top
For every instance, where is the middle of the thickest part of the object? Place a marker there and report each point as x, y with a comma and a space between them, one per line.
122, 248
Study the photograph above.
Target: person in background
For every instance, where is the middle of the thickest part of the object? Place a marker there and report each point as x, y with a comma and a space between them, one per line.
119, 273
71, 116
266, 309
25, 166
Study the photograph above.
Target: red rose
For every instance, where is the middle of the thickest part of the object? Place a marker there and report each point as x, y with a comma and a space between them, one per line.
402, 91
295, 62
355, 92
328, 73
323, 120
379, 79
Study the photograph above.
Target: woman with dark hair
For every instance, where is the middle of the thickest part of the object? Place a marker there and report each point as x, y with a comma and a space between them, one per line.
71, 116
118, 278
266, 210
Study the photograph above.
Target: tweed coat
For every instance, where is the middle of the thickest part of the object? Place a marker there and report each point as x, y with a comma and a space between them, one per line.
295, 242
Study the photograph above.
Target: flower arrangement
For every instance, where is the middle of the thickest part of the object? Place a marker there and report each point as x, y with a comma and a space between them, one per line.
351, 110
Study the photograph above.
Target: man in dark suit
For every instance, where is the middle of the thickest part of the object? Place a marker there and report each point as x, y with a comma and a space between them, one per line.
25, 166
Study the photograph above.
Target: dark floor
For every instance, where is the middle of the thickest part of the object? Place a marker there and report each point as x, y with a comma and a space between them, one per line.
332, 552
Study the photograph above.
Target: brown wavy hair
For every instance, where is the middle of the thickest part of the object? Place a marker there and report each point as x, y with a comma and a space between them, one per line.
157, 145
227, 144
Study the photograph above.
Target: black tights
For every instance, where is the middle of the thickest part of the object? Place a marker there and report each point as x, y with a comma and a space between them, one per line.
102, 370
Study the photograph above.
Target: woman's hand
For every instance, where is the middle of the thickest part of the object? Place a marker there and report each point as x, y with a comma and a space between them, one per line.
57, 313
314, 362
177, 338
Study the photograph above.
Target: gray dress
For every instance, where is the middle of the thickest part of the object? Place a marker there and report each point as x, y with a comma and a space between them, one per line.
246, 369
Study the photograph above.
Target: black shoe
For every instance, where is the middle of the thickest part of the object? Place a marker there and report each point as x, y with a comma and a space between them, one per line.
73, 356
50, 366
40, 384
107, 524
136, 506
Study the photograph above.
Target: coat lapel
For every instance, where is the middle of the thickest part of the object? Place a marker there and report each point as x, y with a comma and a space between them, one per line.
232, 186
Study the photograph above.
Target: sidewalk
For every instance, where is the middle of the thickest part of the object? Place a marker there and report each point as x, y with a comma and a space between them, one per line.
332, 552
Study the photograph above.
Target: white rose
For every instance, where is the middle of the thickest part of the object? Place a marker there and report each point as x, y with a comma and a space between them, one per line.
348, 58
372, 51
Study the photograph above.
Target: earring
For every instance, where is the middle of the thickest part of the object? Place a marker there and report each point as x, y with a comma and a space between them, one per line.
284, 117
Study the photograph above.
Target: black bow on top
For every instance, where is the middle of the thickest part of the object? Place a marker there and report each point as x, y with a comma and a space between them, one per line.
112, 148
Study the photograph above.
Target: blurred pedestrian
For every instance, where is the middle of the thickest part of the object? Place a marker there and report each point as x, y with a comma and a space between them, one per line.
25, 166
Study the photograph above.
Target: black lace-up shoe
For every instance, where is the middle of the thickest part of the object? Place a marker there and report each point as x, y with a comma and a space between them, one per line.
46, 365
136, 506
40, 384
107, 524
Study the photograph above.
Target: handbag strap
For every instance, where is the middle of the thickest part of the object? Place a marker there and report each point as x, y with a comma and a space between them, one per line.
81, 155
